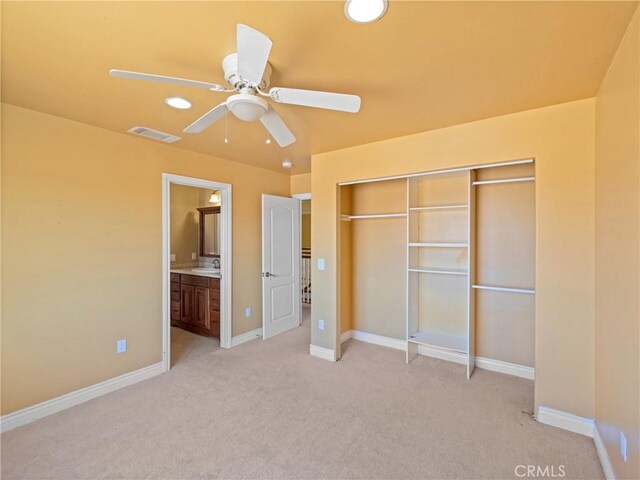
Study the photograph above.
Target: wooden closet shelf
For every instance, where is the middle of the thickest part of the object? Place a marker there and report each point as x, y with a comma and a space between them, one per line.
439, 245
438, 207
374, 215
444, 271
457, 343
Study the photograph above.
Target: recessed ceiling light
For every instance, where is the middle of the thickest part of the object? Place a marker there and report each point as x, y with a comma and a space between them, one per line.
365, 11
178, 102
287, 164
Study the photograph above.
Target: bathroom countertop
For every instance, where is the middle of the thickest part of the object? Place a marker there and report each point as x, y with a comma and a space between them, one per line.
190, 271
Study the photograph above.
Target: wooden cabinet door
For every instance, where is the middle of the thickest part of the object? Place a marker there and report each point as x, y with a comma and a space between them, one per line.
187, 303
201, 310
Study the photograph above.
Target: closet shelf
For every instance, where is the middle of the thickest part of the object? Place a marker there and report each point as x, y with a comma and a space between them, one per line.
504, 180
444, 271
438, 207
457, 343
440, 245
374, 215
505, 289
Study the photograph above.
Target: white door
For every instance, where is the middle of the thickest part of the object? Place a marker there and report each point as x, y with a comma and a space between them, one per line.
280, 264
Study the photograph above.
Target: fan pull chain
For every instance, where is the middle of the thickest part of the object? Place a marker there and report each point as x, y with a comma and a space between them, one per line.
226, 130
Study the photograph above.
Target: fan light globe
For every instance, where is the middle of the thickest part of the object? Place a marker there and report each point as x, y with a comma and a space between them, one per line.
247, 107
365, 11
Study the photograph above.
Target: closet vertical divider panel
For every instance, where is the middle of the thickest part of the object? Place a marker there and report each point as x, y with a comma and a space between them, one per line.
438, 309
413, 278
471, 300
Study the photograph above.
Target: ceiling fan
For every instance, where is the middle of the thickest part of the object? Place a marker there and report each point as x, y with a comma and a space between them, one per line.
248, 72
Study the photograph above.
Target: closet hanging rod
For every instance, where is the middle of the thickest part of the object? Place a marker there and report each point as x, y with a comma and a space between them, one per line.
505, 289
504, 180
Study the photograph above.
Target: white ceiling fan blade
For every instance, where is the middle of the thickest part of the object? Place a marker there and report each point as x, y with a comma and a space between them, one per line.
253, 53
161, 78
208, 119
311, 98
277, 128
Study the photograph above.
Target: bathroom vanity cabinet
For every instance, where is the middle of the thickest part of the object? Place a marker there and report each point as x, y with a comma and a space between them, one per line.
195, 304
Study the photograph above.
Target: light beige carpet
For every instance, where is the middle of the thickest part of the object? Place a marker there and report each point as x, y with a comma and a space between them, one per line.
266, 409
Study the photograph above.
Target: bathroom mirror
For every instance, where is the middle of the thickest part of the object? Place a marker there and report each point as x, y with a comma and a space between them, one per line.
209, 242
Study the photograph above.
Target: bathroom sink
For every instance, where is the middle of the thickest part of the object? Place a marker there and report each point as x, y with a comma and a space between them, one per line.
206, 270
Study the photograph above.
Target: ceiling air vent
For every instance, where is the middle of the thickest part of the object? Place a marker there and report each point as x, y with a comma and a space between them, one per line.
154, 134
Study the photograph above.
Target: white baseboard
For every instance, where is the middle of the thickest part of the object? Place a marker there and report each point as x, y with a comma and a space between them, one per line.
346, 336
603, 455
506, 367
321, 352
40, 410
442, 354
566, 421
246, 337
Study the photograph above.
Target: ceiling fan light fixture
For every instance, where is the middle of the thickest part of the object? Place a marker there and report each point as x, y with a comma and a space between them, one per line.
178, 102
287, 164
215, 198
365, 11
246, 107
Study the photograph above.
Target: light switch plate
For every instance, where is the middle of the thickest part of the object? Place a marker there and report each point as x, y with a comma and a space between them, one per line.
320, 324
623, 446
121, 346
321, 264
172, 257
193, 255
247, 312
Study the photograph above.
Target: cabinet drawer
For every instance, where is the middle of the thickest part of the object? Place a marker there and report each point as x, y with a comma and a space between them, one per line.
175, 305
214, 316
214, 304
214, 294
175, 287
175, 277
175, 296
175, 315
194, 280
214, 283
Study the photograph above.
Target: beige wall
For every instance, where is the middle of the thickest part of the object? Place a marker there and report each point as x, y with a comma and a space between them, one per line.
561, 138
300, 183
184, 223
82, 259
617, 260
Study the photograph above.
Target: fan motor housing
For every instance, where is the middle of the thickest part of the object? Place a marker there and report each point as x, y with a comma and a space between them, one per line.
230, 68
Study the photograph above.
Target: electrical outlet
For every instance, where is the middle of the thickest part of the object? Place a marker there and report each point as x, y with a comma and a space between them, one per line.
247, 312
623, 446
193, 255
320, 324
172, 257
121, 346
321, 264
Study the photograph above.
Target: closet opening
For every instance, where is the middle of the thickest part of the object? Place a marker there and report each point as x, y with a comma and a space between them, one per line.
442, 264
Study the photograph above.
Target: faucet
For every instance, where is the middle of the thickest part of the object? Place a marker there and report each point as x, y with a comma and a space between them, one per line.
216, 263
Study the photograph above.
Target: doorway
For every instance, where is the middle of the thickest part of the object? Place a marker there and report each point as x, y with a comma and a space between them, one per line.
306, 265
199, 273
